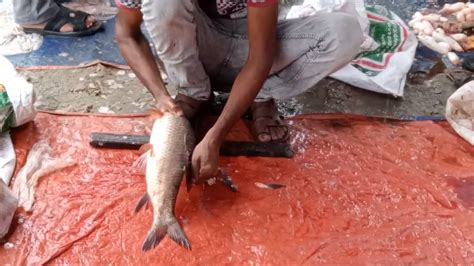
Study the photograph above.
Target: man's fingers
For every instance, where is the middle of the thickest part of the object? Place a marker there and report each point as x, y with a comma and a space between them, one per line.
174, 109
170, 108
207, 172
177, 110
196, 165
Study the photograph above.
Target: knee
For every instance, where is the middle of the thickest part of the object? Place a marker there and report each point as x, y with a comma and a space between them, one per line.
348, 34
354, 34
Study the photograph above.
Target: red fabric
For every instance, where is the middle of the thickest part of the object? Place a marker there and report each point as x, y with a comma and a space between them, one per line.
358, 191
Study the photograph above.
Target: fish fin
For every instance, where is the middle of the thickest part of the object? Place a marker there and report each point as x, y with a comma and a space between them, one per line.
176, 233
155, 113
144, 200
140, 163
154, 237
145, 147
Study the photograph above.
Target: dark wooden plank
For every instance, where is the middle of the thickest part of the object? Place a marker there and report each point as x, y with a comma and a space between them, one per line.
256, 149
229, 148
117, 141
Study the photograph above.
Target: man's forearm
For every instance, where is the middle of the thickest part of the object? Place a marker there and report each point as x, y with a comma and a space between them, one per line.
245, 89
138, 55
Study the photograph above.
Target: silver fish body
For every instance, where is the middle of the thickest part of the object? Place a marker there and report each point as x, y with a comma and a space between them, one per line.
167, 160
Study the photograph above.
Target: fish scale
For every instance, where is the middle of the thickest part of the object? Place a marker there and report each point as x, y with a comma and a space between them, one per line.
171, 143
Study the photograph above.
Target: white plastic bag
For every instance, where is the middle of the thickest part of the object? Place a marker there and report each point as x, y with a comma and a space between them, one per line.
387, 53
310, 7
460, 112
8, 205
13, 40
7, 158
19, 97
19, 91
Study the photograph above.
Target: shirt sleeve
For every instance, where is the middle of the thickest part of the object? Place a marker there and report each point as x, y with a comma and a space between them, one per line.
261, 3
129, 4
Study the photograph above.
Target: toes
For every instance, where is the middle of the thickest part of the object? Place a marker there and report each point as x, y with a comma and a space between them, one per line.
278, 133
90, 20
274, 133
264, 137
268, 125
268, 130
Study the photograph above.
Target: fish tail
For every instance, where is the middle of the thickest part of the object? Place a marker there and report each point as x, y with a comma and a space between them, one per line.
154, 237
158, 232
177, 234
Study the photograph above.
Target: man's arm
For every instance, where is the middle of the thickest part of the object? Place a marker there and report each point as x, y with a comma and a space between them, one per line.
262, 23
137, 53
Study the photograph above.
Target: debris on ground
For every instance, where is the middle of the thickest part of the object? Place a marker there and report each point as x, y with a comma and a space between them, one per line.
269, 185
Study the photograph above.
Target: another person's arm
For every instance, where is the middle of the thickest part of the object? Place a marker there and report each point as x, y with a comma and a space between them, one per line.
262, 23
136, 50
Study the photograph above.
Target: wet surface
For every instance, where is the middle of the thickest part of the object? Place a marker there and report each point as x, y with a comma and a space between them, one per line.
464, 189
358, 191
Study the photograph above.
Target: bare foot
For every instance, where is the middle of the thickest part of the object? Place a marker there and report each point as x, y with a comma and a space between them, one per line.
190, 106
267, 124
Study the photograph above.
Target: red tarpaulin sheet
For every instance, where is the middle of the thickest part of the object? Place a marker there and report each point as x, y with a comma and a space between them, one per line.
358, 191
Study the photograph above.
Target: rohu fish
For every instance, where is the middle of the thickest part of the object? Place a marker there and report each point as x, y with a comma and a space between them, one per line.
166, 159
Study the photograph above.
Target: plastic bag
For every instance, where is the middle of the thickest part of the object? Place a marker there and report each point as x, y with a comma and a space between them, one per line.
6, 110
7, 158
310, 7
20, 95
8, 205
13, 40
387, 53
460, 112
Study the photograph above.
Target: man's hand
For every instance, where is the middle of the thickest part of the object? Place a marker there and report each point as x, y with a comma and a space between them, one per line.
205, 160
166, 104
262, 38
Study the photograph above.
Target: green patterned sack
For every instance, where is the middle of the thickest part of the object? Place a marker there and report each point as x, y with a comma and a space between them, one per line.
7, 115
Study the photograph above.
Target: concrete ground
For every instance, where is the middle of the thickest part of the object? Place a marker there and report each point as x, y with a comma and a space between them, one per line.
109, 90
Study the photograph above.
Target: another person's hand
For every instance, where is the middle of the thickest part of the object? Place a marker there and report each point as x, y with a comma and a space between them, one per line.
166, 104
205, 161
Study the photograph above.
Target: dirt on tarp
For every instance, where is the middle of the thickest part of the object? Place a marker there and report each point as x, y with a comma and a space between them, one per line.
358, 191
